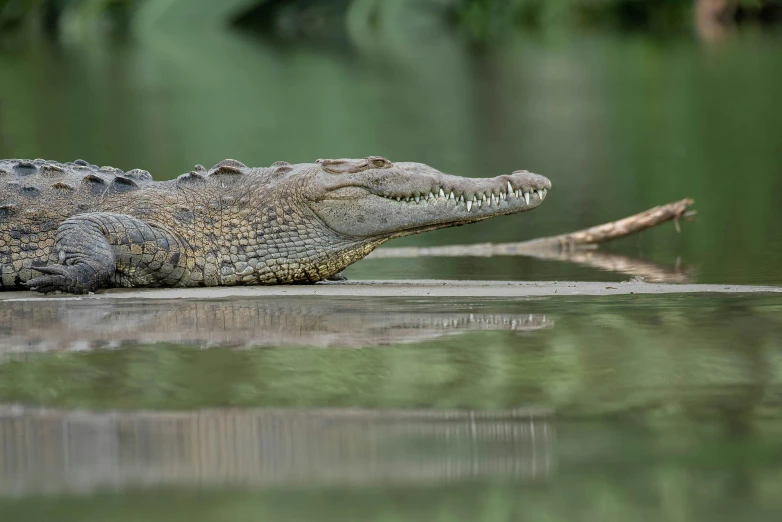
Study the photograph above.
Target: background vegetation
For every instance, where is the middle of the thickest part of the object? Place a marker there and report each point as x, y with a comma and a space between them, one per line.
483, 20
620, 120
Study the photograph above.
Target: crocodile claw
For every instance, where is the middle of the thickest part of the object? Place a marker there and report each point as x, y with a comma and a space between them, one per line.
52, 269
59, 277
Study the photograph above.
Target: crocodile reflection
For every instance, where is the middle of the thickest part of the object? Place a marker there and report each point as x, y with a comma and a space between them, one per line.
75, 325
61, 451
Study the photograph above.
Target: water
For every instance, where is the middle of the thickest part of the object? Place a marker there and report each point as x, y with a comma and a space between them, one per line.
576, 355
300, 408
296, 408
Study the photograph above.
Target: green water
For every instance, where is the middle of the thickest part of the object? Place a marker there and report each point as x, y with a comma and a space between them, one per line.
610, 408
580, 356
600, 408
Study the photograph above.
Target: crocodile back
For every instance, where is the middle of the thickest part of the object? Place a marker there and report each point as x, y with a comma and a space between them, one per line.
36, 196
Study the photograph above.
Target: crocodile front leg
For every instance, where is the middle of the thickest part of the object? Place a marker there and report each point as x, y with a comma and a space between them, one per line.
102, 249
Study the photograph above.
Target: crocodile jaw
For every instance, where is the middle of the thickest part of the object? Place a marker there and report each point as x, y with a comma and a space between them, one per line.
420, 199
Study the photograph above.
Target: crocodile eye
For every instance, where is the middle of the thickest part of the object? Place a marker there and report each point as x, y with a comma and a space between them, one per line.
335, 166
345, 166
379, 162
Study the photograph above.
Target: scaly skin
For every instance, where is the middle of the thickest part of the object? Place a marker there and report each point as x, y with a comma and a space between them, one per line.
76, 227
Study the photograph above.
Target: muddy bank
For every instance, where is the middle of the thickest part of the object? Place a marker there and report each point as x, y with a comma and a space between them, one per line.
410, 288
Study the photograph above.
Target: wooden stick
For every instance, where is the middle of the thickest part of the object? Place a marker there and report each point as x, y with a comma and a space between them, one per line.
589, 237
616, 229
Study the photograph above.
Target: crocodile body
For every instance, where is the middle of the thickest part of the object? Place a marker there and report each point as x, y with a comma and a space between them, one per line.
77, 227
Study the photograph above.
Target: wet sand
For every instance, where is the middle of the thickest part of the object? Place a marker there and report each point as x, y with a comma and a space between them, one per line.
410, 288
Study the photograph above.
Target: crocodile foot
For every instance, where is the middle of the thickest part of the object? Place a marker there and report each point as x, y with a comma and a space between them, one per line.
75, 279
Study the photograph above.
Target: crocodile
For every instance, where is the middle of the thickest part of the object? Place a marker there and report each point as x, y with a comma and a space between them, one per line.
77, 227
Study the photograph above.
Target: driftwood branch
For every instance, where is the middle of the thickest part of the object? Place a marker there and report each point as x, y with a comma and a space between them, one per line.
678, 210
580, 239
576, 247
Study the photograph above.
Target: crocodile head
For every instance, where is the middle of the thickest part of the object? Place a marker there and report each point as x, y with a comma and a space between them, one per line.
372, 197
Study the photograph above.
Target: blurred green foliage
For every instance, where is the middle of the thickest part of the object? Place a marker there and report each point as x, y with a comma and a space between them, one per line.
86, 15
483, 20
487, 19
619, 122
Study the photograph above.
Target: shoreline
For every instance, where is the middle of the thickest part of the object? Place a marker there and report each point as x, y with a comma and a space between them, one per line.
407, 288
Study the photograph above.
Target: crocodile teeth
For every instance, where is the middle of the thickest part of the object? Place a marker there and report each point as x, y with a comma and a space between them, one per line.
450, 196
526, 197
469, 206
510, 189
442, 194
541, 195
431, 196
417, 199
398, 198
